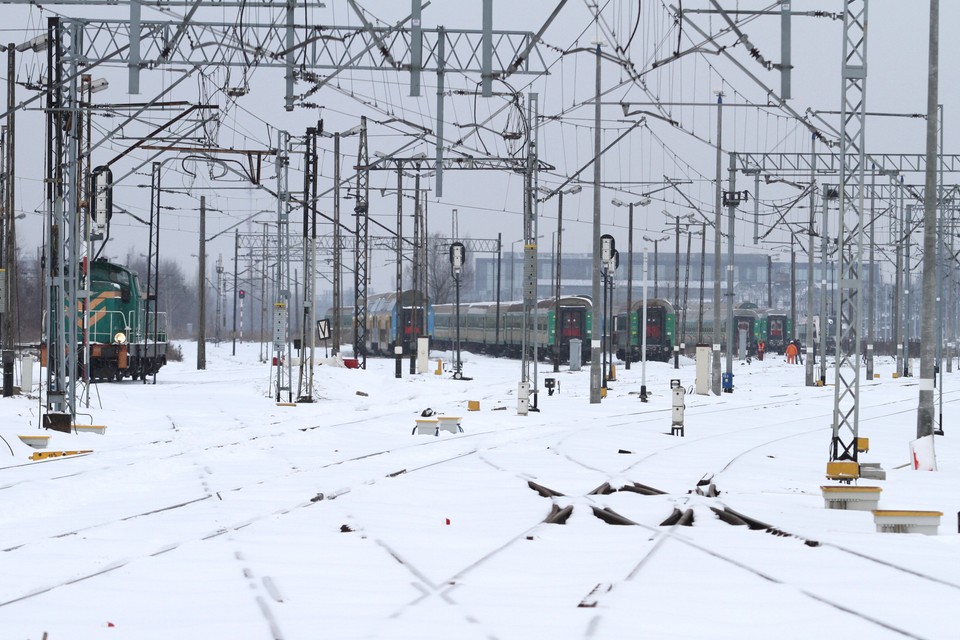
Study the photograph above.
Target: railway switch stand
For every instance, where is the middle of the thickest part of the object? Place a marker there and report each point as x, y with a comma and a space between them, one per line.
678, 394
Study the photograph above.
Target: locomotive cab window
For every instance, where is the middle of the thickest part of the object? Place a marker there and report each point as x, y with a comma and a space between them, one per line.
122, 279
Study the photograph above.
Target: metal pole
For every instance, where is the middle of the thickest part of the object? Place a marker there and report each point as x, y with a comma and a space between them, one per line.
530, 338
595, 373
263, 296
398, 329
202, 289
686, 292
949, 304
557, 325
309, 315
499, 273
83, 193
10, 244
362, 250
731, 219
951, 298
603, 327
793, 282
907, 286
418, 307
716, 253
629, 341
153, 298
676, 296
6, 214
221, 321
656, 269
942, 273
643, 334
458, 365
808, 338
872, 292
703, 262
281, 291
824, 293
925, 408
895, 311
236, 262
424, 275
337, 249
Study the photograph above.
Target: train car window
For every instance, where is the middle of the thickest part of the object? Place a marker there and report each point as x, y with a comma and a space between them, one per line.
654, 323
776, 327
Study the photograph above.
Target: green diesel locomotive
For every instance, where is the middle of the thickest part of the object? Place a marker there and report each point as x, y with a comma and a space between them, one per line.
122, 339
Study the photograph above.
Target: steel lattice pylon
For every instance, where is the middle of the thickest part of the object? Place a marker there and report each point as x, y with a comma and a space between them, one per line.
62, 220
362, 237
850, 239
309, 236
281, 306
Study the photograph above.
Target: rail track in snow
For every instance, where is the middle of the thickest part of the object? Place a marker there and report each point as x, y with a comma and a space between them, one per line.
463, 446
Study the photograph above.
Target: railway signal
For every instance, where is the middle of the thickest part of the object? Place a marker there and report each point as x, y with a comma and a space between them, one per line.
458, 254
609, 261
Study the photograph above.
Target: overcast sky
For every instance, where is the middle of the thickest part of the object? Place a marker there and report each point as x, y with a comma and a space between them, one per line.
490, 202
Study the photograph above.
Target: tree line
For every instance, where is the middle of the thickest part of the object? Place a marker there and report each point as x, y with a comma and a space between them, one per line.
178, 295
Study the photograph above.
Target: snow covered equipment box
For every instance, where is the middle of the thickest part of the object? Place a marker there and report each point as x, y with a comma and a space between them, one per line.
449, 423
853, 498
888, 521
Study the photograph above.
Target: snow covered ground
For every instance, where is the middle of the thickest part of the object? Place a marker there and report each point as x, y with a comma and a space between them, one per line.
207, 511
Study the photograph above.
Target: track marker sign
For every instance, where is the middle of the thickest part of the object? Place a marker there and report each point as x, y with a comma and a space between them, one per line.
323, 329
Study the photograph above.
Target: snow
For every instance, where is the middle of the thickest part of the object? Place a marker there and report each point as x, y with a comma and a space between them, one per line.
207, 511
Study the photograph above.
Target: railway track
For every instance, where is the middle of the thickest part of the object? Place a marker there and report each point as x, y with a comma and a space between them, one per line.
336, 482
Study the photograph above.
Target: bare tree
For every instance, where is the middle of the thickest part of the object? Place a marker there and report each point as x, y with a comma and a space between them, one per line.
28, 277
177, 296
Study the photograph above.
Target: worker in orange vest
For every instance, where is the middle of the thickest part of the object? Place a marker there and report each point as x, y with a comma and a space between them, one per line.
791, 352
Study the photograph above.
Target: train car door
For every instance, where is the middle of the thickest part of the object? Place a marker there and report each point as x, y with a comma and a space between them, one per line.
655, 328
571, 324
412, 326
775, 333
742, 325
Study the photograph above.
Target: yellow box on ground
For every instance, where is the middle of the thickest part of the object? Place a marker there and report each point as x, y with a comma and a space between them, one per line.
843, 470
